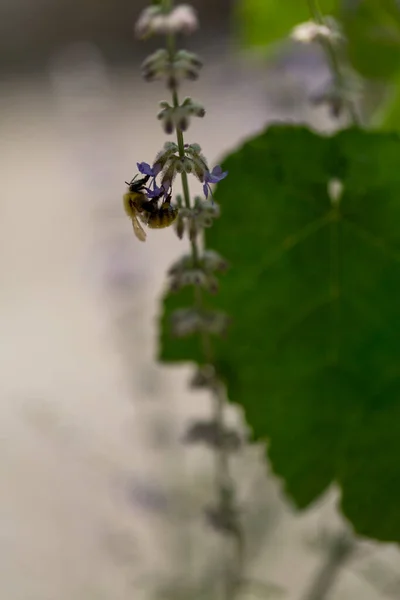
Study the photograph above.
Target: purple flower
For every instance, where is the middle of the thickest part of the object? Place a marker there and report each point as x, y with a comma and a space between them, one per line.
215, 176
146, 169
156, 192
153, 191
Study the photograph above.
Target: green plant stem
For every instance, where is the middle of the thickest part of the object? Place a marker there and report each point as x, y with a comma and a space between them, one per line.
223, 479
333, 60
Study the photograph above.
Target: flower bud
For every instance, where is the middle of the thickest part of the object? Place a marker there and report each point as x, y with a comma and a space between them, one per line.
193, 108
211, 284
143, 26
193, 149
184, 19
189, 57
213, 435
153, 20
183, 264
156, 65
310, 32
195, 277
170, 170
170, 148
213, 262
180, 227
186, 65
193, 230
187, 165
186, 212
198, 110
210, 208
215, 322
204, 377
185, 321
179, 166
183, 122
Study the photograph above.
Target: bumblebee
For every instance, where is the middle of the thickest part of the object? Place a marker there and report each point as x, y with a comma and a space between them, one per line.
139, 208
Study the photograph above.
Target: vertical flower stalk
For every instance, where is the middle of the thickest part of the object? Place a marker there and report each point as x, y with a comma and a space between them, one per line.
341, 95
200, 267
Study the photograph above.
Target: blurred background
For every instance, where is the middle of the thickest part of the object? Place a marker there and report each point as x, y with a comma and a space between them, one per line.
99, 497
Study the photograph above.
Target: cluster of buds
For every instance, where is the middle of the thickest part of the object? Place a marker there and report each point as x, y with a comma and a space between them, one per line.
310, 31
212, 434
193, 220
187, 321
178, 117
155, 20
160, 64
201, 273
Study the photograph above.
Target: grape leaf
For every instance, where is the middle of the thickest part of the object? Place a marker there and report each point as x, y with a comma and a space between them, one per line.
313, 354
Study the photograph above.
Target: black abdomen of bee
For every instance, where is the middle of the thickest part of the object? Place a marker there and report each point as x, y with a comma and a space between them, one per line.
163, 217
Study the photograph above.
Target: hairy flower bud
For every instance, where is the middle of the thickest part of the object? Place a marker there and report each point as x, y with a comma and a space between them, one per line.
178, 117
170, 148
211, 261
154, 20
183, 264
184, 19
187, 321
212, 434
190, 277
144, 24
170, 170
215, 322
204, 377
156, 65
180, 227
187, 165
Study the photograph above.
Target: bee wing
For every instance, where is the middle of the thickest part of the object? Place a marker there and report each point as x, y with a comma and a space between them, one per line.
138, 229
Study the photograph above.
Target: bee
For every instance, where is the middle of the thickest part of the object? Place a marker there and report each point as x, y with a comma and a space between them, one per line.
139, 208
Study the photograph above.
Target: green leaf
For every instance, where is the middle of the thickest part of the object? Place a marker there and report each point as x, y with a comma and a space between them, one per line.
313, 354
372, 28
387, 116
263, 22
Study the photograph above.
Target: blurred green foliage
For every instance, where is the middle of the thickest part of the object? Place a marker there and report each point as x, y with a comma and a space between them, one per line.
388, 114
372, 28
313, 354
262, 22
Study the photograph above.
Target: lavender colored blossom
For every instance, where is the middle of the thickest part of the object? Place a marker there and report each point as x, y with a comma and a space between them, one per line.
215, 176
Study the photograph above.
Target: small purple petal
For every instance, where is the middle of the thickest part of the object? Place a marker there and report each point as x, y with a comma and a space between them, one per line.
216, 175
217, 170
155, 193
145, 169
205, 190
